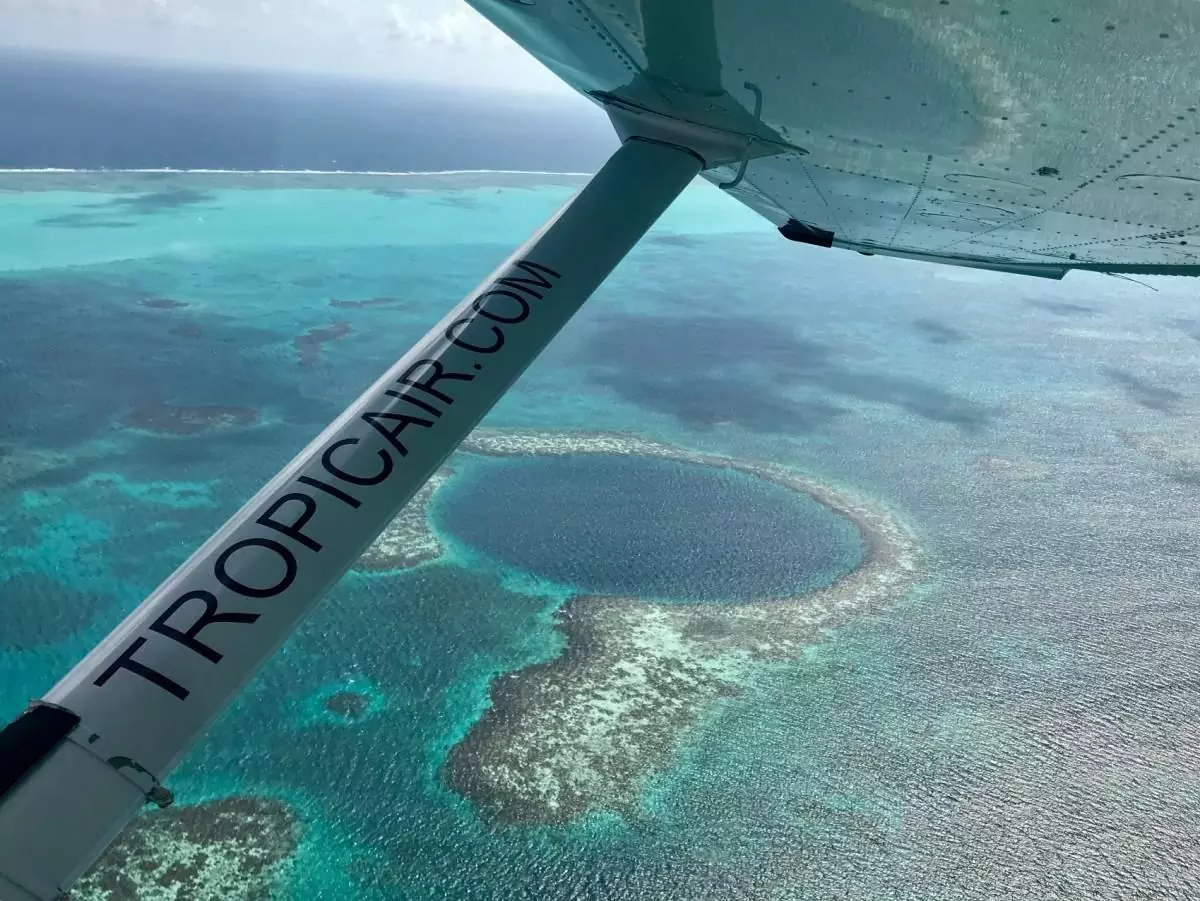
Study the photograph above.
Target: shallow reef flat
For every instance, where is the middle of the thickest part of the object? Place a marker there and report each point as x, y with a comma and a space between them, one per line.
237, 847
407, 541
187, 420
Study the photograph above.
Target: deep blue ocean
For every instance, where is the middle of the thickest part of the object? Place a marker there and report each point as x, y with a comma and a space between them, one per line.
1023, 724
89, 113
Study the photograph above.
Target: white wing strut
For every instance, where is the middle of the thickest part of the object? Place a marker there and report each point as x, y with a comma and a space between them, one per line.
76, 767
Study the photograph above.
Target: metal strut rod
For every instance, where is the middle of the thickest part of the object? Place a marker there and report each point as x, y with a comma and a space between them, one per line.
78, 765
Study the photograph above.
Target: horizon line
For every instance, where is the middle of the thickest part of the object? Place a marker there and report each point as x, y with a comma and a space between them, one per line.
51, 170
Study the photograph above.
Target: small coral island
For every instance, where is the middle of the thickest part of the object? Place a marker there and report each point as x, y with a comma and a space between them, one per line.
349, 705
345, 703
308, 345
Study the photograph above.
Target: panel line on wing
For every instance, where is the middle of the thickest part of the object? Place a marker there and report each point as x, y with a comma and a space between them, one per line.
1103, 173
1162, 234
982, 198
825, 200
602, 31
913, 203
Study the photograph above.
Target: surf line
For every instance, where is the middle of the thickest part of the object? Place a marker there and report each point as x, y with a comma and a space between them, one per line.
429, 389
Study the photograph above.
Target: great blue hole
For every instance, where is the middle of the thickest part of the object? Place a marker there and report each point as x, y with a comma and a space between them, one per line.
626, 525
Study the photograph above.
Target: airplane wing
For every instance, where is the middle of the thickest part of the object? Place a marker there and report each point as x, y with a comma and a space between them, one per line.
1010, 135
1016, 135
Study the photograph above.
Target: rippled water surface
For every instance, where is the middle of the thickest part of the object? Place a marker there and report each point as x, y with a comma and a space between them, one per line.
1023, 725
623, 525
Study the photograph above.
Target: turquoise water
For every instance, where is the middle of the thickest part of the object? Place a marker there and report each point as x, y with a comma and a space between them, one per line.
629, 526
1024, 722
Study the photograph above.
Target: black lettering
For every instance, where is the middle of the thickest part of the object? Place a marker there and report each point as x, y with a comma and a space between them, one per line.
126, 661
221, 568
293, 529
330, 490
416, 402
188, 638
439, 373
452, 334
521, 284
480, 304
335, 470
403, 421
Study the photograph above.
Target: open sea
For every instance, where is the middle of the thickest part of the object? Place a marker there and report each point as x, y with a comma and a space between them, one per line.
1022, 724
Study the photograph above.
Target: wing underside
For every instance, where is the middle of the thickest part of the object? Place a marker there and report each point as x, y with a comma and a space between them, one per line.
1005, 134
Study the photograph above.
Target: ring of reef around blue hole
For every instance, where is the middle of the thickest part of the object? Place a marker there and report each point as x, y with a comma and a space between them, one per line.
583, 732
